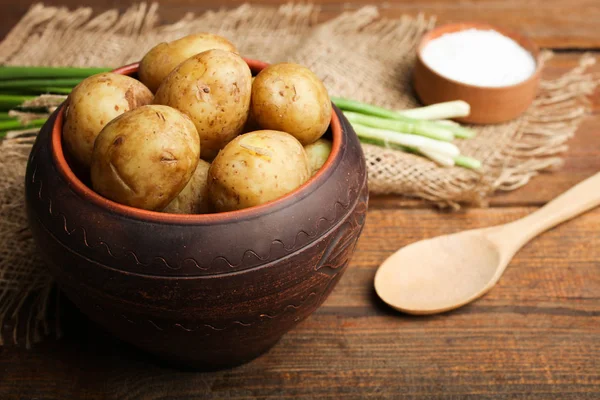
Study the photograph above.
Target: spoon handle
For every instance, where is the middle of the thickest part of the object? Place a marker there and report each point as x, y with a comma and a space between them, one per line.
580, 198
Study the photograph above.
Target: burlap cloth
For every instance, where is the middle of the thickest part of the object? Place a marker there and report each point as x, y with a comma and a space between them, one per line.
359, 55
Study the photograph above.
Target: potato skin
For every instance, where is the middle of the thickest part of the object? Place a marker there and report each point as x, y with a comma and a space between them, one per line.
213, 88
145, 157
92, 104
255, 168
289, 97
164, 57
317, 154
193, 199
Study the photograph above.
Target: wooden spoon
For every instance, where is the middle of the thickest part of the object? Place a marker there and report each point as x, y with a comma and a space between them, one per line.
444, 273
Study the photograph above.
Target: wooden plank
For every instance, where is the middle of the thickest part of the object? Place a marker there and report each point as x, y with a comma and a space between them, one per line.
551, 23
535, 335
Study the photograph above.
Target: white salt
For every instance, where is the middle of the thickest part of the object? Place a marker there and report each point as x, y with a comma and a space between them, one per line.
479, 57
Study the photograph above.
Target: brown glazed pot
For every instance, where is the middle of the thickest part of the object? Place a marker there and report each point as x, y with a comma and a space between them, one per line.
489, 105
207, 291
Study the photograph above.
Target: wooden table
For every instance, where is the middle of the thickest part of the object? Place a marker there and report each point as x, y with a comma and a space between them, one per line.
536, 335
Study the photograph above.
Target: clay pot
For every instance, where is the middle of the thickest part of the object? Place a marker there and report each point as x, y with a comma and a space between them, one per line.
489, 105
207, 291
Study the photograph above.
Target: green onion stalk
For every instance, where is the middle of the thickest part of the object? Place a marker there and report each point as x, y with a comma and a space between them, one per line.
422, 128
467, 162
406, 140
19, 84
16, 125
24, 84
10, 101
446, 110
12, 73
455, 109
443, 153
49, 90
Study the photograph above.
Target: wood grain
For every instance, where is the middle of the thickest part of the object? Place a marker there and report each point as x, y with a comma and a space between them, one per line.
535, 335
551, 23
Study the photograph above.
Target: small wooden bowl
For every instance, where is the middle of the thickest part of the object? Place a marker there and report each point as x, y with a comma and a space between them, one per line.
489, 105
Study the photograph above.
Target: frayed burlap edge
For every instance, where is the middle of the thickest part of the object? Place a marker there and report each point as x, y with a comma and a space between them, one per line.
553, 118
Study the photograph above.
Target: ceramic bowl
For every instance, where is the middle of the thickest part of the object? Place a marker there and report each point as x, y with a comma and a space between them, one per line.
206, 291
489, 105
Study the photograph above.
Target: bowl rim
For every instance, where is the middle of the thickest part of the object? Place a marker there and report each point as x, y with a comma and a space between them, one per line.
222, 217
524, 41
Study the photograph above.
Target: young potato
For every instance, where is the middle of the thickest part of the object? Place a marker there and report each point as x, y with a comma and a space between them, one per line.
255, 168
145, 157
290, 98
193, 199
317, 154
213, 89
94, 103
164, 57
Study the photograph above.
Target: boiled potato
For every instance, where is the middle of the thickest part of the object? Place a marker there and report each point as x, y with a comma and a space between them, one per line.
290, 98
145, 157
193, 199
255, 168
317, 153
94, 103
213, 89
164, 57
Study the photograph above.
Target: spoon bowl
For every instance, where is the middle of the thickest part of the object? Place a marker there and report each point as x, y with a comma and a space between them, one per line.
434, 275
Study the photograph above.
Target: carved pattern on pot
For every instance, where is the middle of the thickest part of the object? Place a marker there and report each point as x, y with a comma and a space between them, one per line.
338, 216
333, 261
307, 301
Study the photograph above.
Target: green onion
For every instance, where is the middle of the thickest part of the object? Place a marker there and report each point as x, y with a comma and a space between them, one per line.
5, 117
440, 158
16, 124
446, 110
403, 139
49, 90
443, 153
7, 73
467, 162
424, 131
458, 130
8, 101
387, 145
363, 108
421, 128
58, 90
33, 83
369, 109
